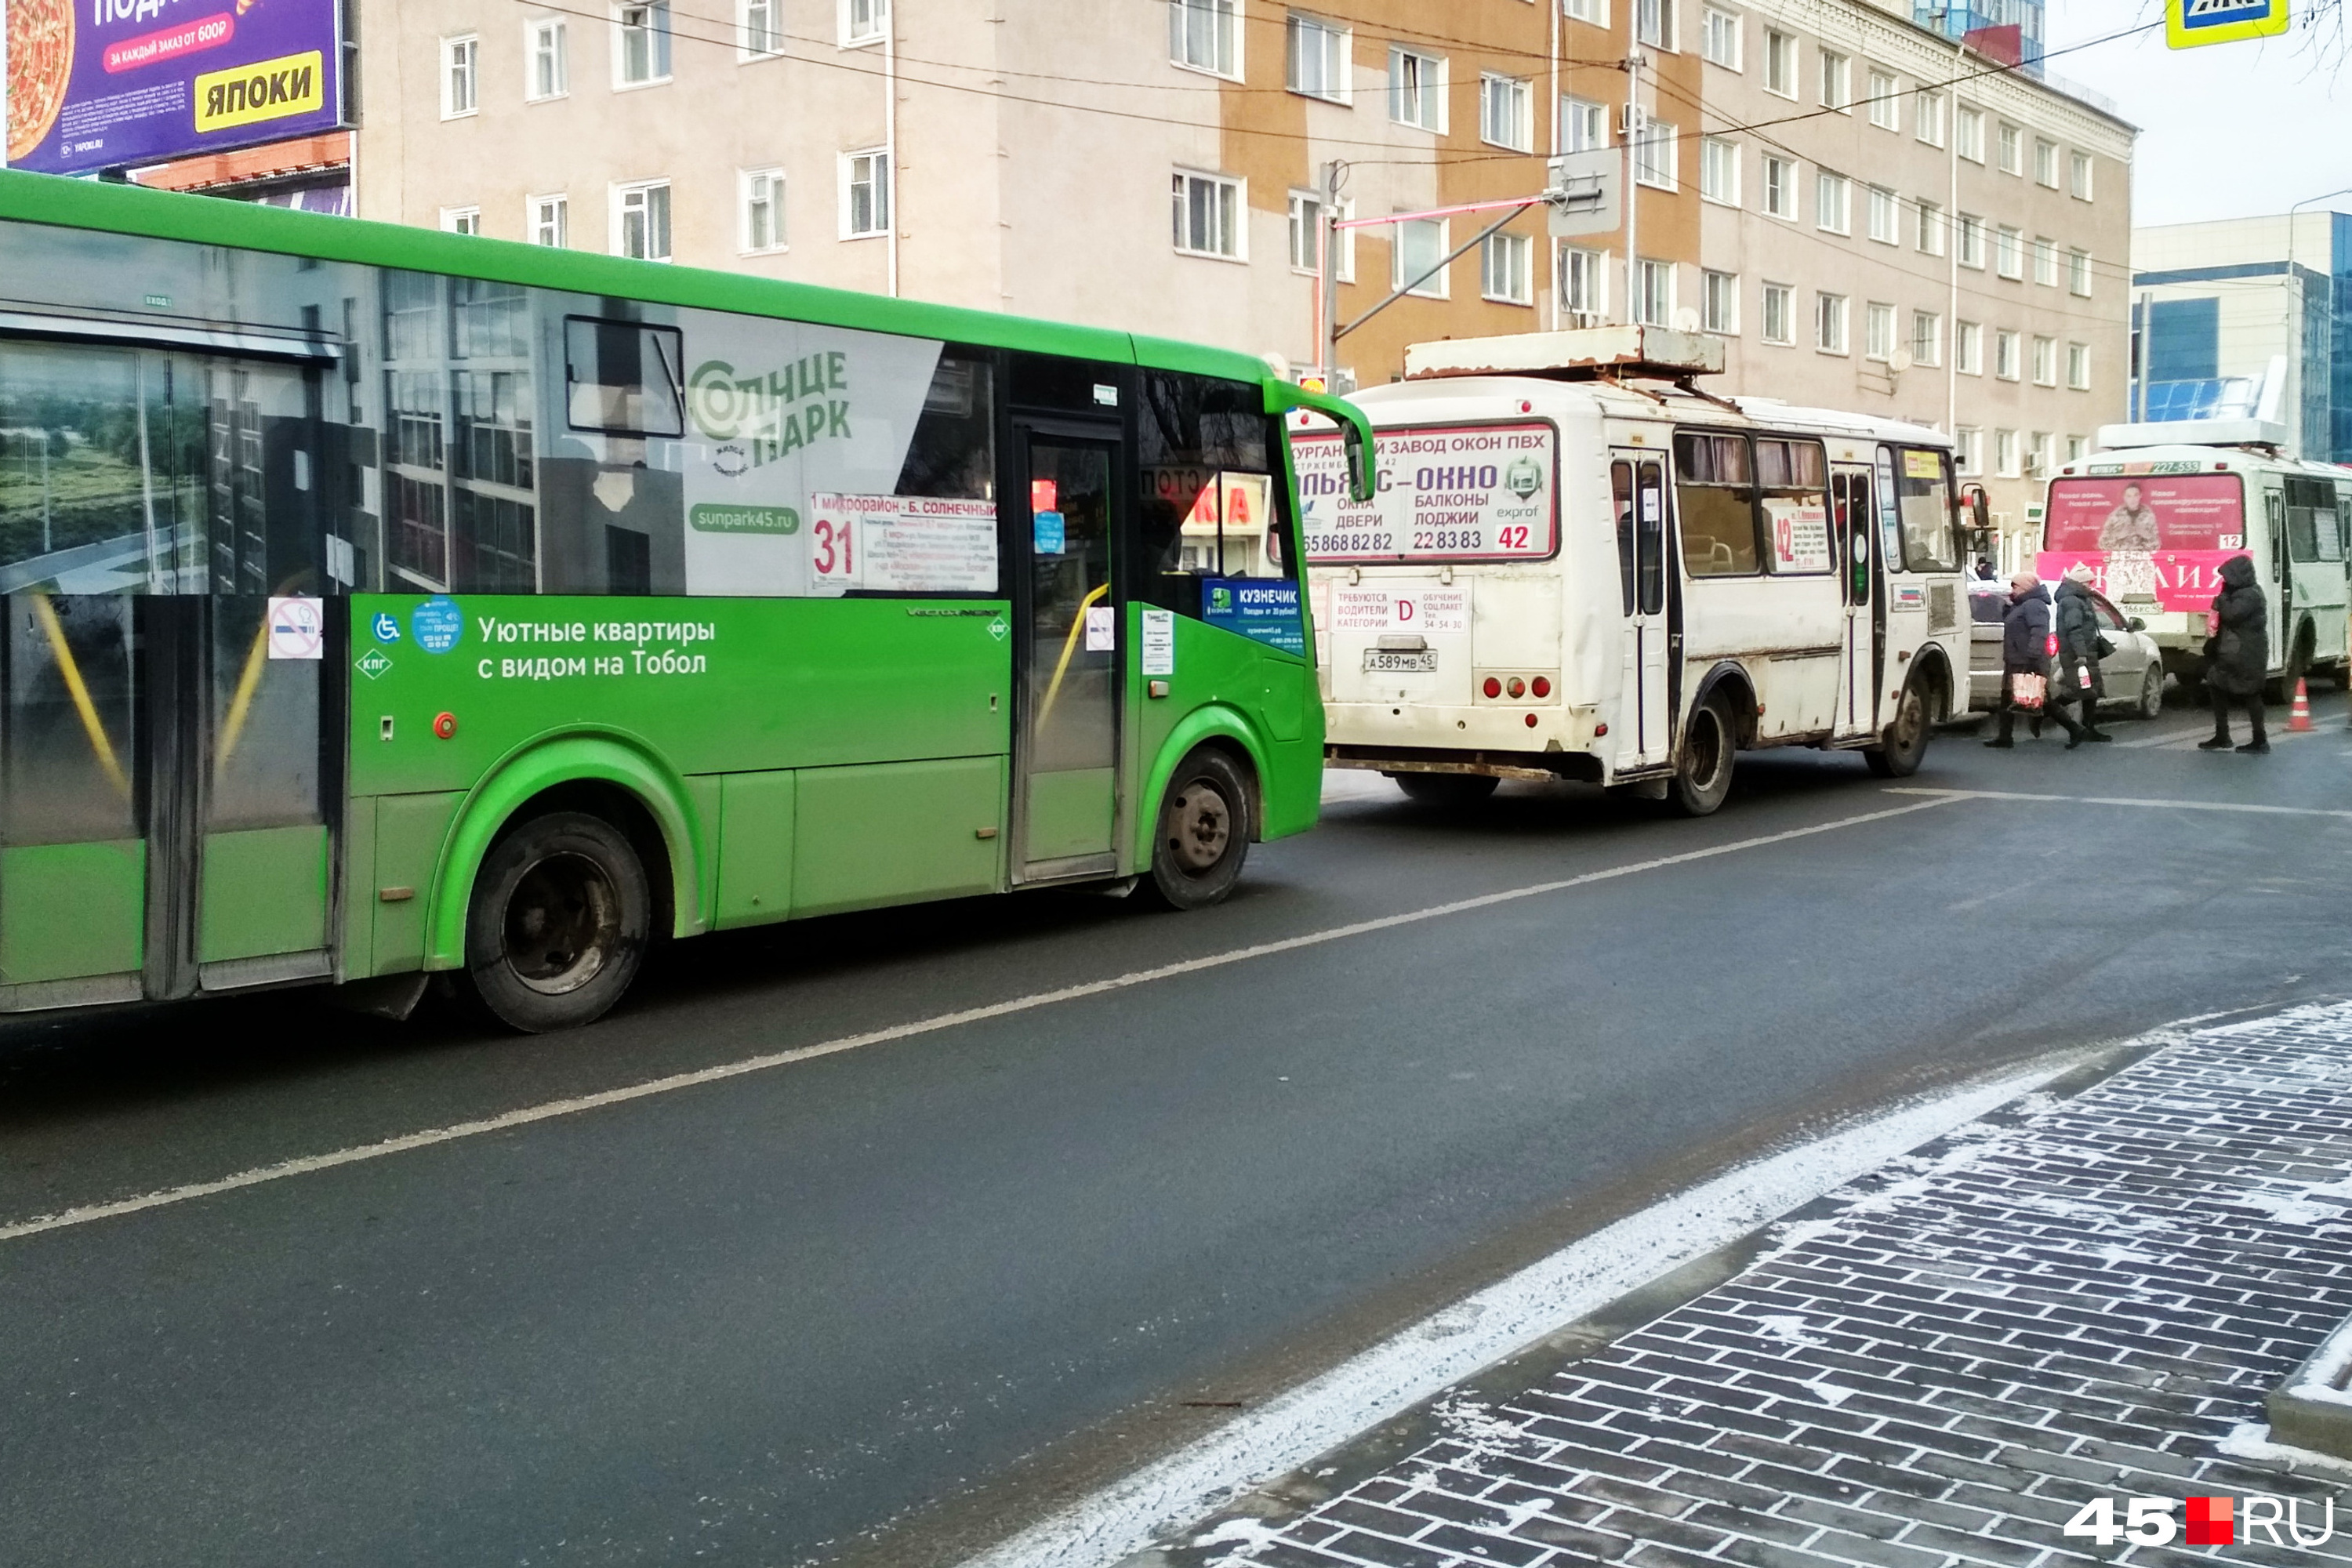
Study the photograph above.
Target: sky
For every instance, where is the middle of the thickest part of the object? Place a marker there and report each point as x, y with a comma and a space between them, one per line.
2225, 130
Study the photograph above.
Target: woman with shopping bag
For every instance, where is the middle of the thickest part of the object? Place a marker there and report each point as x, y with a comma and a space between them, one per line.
2027, 646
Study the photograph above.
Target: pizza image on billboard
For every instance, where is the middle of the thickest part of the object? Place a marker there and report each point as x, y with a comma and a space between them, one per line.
40, 63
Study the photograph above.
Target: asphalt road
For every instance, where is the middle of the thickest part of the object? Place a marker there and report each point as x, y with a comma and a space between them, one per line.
881, 1303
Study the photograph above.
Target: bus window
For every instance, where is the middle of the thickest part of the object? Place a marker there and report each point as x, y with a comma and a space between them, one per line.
1793, 478
953, 452
1650, 533
1714, 494
1210, 505
1620, 487
2311, 530
624, 379
1926, 492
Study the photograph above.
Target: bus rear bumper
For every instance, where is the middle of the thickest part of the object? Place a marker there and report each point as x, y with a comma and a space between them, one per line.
1580, 766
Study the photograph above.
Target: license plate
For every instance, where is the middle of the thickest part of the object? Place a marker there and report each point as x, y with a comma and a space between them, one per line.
1422, 661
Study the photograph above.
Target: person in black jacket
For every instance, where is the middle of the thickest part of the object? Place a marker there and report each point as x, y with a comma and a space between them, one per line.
2078, 651
2025, 650
2238, 659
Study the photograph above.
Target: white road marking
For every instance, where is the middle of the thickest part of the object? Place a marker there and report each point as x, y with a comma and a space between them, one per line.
309, 1165
1542, 1299
2123, 800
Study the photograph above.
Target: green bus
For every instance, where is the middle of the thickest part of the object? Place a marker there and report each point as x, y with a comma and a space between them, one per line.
383, 602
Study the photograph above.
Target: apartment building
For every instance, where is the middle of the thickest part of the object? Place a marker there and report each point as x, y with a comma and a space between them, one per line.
1892, 224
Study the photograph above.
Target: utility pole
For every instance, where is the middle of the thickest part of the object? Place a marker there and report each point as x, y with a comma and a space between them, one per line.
1327, 321
1634, 129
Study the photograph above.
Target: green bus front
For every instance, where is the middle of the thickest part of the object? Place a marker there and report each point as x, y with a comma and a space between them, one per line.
336, 555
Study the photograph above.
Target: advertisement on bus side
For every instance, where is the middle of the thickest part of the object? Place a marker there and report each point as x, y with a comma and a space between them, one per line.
1450, 492
2160, 537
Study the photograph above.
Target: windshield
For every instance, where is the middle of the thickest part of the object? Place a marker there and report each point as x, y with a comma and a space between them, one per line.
2151, 512
1448, 492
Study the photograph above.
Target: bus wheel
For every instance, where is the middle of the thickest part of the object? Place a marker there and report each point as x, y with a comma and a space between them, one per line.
1904, 741
1203, 834
1703, 768
1454, 790
2281, 690
559, 922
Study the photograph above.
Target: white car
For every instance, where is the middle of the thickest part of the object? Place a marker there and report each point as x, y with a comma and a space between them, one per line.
2134, 673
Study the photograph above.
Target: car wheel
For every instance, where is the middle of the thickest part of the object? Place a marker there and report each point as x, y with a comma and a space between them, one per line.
1204, 832
558, 923
1703, 764
1455, 790
1904, 740
2151, 691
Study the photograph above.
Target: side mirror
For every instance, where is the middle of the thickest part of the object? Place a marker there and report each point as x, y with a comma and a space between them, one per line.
1976, 506
2136, 623
1362, 481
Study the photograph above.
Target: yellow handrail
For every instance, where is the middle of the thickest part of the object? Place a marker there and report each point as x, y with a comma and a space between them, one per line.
241, 703
80, 692
1069, 646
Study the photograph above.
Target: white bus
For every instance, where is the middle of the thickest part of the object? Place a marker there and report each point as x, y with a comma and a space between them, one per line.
2154, 522
1579, 566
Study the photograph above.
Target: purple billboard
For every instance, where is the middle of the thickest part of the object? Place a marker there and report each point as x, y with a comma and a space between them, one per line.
99, 84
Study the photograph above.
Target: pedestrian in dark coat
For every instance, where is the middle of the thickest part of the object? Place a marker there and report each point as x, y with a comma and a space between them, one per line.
2025, 650
2078, 651
2237, 659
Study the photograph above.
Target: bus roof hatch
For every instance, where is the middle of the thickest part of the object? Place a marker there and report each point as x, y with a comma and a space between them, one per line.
1587, 354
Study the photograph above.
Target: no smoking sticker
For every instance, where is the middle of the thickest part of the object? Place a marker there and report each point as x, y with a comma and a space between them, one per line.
298, 629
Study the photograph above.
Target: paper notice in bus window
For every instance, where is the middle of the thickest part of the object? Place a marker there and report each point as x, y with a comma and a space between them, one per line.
905, 545
1159, 642
1918, 465
1450, 492
1800, 533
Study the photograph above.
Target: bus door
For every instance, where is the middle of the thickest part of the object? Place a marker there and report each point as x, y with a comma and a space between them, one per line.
166, 752
1850, 518
1650, 598
2281, 620
1066, 618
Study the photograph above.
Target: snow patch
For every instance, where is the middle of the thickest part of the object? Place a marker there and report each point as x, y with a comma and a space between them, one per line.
2252, 1441
1247, 1536
2328, 1374
1788, 1328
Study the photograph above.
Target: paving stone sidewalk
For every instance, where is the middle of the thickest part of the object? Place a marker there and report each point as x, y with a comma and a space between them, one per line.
1939, 1364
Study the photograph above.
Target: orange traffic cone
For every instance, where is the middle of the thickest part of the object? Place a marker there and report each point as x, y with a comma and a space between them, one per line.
2298, 718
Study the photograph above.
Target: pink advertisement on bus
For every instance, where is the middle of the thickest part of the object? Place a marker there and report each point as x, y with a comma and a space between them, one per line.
2145, 536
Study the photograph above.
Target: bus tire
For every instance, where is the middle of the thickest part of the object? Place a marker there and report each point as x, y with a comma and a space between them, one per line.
1456, 791
2281, 690
1704, 760
1204, 832
1903, 743
559, 922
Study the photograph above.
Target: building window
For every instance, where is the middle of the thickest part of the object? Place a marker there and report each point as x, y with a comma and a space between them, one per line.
1878, 331
1718, 171
1837, 80
2043, 454
1779, 63
1653, 23
2078, 273
1417, 89
1206, 210
1656, 301
2079, 166
1833, 199
1416, 260
2078, 366
759, 28
2004, 453
1655, 146
763, 209
1583, 283
547, 51
1829, 323
460, 92
1927, 118
1503, 267
1779, 314
1967, 349
1886, 216
642, 54
1968, 449
1718, 302
1594, 11
1201, 36
550, 221
1971, 134
864, 21
865, 193
2046, 162
1505, 114
2045, 261
2009, 252
1318, 59
1306, 213
461, 220
2045, 362
2077, 448
641, 221
2012, 150
1926, 338
1720, 41
1886, 103
1931, 229
1972, 240
2007, 351
1780, 186
1584, 126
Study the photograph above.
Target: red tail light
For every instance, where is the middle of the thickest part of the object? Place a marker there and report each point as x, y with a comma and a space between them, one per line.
1531, 721
1600, 729
1493, 687
1543, 685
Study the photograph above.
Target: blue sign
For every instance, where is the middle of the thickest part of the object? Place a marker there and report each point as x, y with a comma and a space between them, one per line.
436, 625
2190, 23
1051, 539
388, 626
1260, 608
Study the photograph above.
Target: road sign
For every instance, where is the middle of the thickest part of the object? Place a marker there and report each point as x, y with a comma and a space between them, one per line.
2190, 23
1583, 195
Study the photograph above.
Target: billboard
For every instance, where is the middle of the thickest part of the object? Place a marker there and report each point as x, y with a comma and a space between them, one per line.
99, 84
2160, 537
